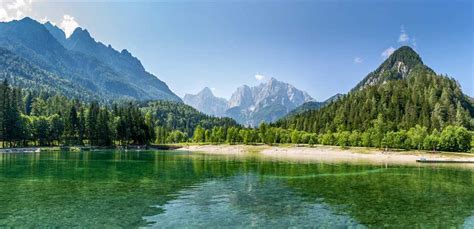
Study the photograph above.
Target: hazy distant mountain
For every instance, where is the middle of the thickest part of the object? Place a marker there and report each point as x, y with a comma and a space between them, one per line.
266, 102
206, 102
91, 66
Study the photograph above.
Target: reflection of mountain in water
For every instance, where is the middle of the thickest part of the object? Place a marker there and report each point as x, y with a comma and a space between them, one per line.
245, 201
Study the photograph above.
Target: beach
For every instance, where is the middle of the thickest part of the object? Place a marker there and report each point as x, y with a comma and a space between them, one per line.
329, 153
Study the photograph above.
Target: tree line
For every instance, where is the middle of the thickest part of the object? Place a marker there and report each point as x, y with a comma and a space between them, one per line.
423, 98
451, 138
43, 119
28, 119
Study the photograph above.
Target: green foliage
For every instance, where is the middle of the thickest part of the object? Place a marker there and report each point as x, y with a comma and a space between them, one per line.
432, 141
391, 99
178, 116
25, 75
56, 120
177, 136
343, 138
199, 134
455, 139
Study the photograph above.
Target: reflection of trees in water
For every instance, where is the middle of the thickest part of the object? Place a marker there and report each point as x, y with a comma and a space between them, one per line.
245, 200
96, 188
397, 197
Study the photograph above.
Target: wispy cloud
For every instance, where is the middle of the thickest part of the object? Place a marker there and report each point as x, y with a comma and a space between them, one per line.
358, 60
387, 52
413, 42
259, 77
68, 24
403, 35
15, 9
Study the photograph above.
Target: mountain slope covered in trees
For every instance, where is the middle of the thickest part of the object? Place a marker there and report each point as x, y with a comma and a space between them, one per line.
22, 74
399, 95
184, 118
313, 105
106, 73
46, 119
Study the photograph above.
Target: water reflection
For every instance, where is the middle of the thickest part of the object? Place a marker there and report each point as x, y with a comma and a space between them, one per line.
118, 189
246, 200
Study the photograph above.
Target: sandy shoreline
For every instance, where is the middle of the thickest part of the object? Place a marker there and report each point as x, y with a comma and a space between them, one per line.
328, 154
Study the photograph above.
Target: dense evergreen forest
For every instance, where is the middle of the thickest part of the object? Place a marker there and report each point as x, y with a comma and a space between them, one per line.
22, 74
400, 95
43, 119
428, 100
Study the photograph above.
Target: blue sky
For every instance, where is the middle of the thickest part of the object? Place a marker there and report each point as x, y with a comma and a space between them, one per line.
322, 47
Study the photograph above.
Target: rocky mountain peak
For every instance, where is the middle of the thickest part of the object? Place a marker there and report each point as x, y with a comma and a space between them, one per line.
206, 91
82, 34
266, 102
206, 102
396, 66
56, 32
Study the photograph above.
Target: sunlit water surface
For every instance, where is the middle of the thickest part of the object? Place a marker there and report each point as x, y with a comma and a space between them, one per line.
169, 189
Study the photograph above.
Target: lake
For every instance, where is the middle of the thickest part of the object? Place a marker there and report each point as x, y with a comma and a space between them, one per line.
179, 189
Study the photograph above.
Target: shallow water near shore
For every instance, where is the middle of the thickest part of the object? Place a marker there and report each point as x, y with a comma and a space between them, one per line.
182, 189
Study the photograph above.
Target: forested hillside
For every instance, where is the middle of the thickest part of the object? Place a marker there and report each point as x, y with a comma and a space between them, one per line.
313, 105
401, 94
404, 93
172, 116
28, 119
23, 74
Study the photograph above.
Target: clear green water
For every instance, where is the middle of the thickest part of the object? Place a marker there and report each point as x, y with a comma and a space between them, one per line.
169, 189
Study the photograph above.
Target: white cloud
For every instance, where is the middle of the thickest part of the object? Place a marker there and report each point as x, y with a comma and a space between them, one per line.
403, 35
259, 77
3, 15
68, 24
385, 54
17, 4
15, 9
213, 89
358, 60
45, 19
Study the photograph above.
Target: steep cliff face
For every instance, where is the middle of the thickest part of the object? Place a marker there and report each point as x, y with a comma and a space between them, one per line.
206, 102
266, 102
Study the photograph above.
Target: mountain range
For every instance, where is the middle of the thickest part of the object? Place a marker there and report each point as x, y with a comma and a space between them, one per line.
78, 64
250, 106
401, 92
